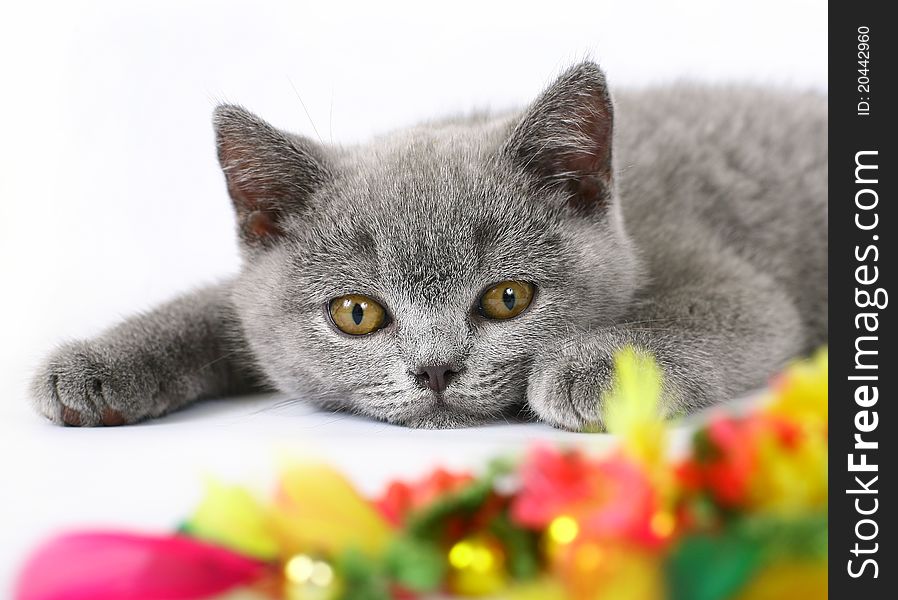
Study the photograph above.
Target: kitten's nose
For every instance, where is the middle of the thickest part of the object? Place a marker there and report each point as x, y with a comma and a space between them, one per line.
436, 377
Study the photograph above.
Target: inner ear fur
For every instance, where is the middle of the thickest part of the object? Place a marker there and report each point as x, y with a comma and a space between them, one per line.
564, 139
269, 173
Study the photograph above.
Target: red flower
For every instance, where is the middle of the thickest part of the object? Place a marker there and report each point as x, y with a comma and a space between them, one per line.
726, 458
400, 497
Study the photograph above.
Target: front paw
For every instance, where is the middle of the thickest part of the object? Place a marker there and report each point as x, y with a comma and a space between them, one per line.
85, 385
566, 386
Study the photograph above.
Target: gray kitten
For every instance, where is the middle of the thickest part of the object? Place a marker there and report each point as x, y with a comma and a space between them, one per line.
453, 272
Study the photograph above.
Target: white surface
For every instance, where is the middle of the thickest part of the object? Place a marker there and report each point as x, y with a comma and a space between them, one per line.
111, 198
149, 476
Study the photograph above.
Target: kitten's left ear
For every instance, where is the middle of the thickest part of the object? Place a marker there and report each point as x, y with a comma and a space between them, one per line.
269, 173
564, 138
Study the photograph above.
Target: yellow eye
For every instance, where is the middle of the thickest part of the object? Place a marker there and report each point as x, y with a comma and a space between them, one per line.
357, 315
506, 299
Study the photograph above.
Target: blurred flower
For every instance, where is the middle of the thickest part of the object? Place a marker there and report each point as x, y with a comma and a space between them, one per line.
542, 589
610, 498
801, 393
788, 579
310, 578
317, 510
593, 570
791, 472
553, 482
112, 566
476, 566
231, 516
772, 460
400, 497
632, 409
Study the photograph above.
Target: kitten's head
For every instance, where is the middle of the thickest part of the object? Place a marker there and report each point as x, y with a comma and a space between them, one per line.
415, 278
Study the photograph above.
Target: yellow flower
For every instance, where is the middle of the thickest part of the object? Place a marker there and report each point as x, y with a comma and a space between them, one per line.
790, 478
231, 516
802, 394
546, 588
476, 566
596, 571
318, 510
785, 580
792, 469
632, 408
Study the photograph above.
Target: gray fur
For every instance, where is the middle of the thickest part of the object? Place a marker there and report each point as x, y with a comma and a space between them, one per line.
703, 241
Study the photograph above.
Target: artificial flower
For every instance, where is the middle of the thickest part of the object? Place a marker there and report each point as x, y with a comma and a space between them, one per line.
609, 498
317, 510
801, 393
632, 409
400, 498
230, 515
123, 566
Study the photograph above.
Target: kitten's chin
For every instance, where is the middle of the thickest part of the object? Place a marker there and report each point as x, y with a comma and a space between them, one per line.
456, 409
442, 418
437, 414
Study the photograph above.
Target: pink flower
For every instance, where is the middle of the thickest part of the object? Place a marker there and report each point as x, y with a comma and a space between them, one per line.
553, 482
608, 498
123, 566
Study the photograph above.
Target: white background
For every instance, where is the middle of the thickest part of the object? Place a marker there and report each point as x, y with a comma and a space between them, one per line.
111, 198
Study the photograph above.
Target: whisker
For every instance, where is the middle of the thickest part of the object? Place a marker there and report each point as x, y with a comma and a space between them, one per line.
219, 359
315, 129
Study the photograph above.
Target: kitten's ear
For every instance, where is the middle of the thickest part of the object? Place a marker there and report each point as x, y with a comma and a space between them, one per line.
269, 173
564, 138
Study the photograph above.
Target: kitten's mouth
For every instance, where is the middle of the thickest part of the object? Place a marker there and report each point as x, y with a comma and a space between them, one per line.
455, 407
443, 416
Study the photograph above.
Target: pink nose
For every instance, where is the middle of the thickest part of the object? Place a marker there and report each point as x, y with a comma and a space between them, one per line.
435, 377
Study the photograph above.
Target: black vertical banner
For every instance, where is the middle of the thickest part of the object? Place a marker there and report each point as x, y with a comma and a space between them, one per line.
863, 368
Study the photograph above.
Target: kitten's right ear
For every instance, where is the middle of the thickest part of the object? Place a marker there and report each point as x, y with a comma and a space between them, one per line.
564, 138
269, 173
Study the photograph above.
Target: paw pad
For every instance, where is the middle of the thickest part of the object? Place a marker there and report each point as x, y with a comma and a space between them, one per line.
112, 418
71, 417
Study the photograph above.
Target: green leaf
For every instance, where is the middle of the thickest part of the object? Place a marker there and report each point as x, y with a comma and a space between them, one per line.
427, 522
521, 547
415, 564
363, 578
711, 567
787, 537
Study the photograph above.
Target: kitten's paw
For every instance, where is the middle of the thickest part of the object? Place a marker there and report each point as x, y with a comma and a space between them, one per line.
82, 386
566, 387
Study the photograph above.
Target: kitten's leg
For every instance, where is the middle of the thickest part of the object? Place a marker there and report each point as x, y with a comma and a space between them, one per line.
713, 343
148, 365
